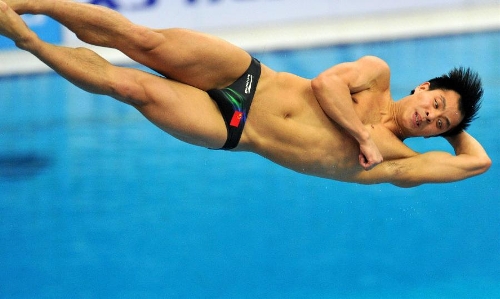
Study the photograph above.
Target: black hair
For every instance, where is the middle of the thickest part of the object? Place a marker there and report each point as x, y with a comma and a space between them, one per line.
468, 85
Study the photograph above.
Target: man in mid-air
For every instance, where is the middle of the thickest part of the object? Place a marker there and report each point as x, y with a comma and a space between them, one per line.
343, 124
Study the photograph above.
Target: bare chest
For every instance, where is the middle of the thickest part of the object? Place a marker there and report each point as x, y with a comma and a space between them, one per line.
370, 106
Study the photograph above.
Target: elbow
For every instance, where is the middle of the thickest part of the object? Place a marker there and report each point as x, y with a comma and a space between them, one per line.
323, 82
317, 84
485, 164
480, 166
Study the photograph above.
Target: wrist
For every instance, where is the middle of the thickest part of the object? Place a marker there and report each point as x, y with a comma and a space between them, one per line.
362, 136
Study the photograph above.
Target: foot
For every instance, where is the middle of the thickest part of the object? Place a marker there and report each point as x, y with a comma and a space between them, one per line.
13, 27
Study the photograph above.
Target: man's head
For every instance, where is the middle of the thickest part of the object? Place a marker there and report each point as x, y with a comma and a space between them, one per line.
467, 85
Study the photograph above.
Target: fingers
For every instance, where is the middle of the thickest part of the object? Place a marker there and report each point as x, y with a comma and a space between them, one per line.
370, 155
368, 164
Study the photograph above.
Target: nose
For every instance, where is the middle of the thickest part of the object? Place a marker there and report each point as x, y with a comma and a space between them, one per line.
429, 117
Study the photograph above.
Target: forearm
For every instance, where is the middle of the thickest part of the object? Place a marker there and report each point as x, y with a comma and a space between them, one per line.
336, 101
467, 146
464, 143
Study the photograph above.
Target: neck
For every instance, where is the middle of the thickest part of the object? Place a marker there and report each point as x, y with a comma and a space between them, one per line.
395, 108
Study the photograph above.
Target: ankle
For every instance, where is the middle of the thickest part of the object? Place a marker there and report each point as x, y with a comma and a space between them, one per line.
27, 42
31, 7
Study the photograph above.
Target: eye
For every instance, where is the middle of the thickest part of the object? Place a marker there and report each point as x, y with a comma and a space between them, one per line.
440, 123
436, 105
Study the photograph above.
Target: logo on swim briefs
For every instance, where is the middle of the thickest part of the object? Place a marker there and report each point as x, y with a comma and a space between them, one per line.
235, 121
248, 87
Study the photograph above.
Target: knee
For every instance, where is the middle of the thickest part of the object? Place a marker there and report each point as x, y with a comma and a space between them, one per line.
143, 38
126, 87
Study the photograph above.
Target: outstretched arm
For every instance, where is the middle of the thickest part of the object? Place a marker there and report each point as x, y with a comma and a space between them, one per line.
333, 89
470, 159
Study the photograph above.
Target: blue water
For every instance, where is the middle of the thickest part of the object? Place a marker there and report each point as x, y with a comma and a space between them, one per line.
95, 202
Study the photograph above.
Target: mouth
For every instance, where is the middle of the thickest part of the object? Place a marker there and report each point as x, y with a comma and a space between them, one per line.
417, 120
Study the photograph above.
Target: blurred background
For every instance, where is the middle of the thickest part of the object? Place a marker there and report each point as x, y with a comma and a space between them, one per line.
96, 202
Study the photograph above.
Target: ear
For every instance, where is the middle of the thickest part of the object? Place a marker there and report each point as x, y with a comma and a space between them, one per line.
423, 87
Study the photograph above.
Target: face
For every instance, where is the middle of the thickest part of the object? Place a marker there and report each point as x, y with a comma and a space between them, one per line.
430, 112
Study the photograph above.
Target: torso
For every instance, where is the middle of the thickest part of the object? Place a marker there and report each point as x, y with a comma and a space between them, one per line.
287, 125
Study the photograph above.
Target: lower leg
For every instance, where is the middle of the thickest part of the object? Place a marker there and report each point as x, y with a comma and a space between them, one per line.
81, 67
93, 24
189, 57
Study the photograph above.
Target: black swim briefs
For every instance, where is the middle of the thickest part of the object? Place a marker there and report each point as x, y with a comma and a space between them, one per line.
234, 102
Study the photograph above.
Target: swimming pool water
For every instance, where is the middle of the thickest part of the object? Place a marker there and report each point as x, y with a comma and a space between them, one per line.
95, 202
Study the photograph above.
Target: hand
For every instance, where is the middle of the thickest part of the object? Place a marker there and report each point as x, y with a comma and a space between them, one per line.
369, 155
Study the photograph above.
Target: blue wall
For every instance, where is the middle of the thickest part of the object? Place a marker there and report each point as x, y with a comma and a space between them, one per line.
95, 202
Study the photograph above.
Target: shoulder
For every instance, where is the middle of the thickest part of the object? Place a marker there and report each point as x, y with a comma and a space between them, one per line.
374, 61
376, 66
377, 70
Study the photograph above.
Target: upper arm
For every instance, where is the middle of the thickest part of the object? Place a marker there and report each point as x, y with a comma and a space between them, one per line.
357, 76
430, 167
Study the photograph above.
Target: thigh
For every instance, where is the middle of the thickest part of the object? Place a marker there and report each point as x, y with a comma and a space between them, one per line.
197, 59
185, 112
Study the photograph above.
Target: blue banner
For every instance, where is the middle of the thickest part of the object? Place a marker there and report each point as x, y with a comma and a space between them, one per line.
46, 28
